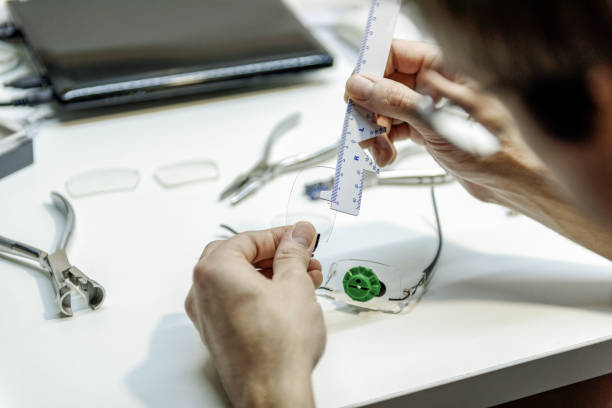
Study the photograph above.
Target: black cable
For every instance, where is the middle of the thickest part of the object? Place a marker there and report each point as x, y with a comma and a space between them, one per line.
228, 228
32, 99
429, 270
8, 31
27, 82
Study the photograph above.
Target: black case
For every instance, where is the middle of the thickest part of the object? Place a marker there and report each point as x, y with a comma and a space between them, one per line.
105, 52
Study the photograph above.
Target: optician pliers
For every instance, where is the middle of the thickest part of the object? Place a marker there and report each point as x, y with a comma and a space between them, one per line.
64, 276
263, 171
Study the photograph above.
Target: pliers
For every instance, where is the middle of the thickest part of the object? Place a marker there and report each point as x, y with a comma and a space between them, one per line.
263, 171
64, 276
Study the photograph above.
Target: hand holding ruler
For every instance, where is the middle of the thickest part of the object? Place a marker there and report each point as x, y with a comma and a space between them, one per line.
359, 124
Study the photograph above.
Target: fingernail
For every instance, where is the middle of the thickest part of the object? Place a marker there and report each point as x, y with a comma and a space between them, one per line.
359, 87
303, 234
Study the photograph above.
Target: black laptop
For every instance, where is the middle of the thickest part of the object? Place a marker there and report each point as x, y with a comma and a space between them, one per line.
106, 52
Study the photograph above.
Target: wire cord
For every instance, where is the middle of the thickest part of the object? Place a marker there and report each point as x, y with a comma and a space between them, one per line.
28, 82
32, 99
8, 31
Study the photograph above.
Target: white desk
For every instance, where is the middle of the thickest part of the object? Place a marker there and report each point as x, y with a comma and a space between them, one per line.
513, 309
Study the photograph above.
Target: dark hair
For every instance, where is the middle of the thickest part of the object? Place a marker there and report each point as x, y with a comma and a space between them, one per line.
540, 49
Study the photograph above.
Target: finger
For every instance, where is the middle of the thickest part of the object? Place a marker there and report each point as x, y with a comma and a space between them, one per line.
210, 247
406, 79
264, 264
384, 121
411, 57
314, 264
253, 246
392, 124
383, 150
314, 271
416, 137
316, 276
438, 86
386, 97
268, 263
189, 309
294, 252
229, 264
400, 132
366, 144
192, 310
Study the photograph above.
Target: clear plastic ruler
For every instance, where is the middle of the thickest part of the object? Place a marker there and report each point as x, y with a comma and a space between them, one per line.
359, 124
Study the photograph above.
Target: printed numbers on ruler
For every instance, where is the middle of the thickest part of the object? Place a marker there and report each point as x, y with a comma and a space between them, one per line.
359, 124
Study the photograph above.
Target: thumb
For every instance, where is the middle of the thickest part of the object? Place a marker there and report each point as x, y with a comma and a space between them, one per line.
294, 252
386, 97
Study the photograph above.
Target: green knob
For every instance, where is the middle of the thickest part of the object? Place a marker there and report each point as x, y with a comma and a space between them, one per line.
361, 284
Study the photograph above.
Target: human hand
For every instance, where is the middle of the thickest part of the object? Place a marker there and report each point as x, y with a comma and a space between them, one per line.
416, 68
253, 302
513, 177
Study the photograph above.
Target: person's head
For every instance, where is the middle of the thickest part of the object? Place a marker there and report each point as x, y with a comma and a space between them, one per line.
551, 62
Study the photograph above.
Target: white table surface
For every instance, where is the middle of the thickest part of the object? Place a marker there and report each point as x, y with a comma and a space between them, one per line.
507, 291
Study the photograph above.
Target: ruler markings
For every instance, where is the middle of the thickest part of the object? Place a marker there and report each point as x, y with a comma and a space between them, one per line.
360, 124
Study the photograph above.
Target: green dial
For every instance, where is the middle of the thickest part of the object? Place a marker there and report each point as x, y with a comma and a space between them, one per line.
361, 284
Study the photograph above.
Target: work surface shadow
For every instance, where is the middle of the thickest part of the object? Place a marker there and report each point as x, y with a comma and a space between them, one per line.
177, 371
466, 274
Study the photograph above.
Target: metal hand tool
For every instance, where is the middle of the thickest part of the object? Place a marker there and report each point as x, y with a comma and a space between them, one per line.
410, 177
262, 165
293, 163
263, 171
64, 276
